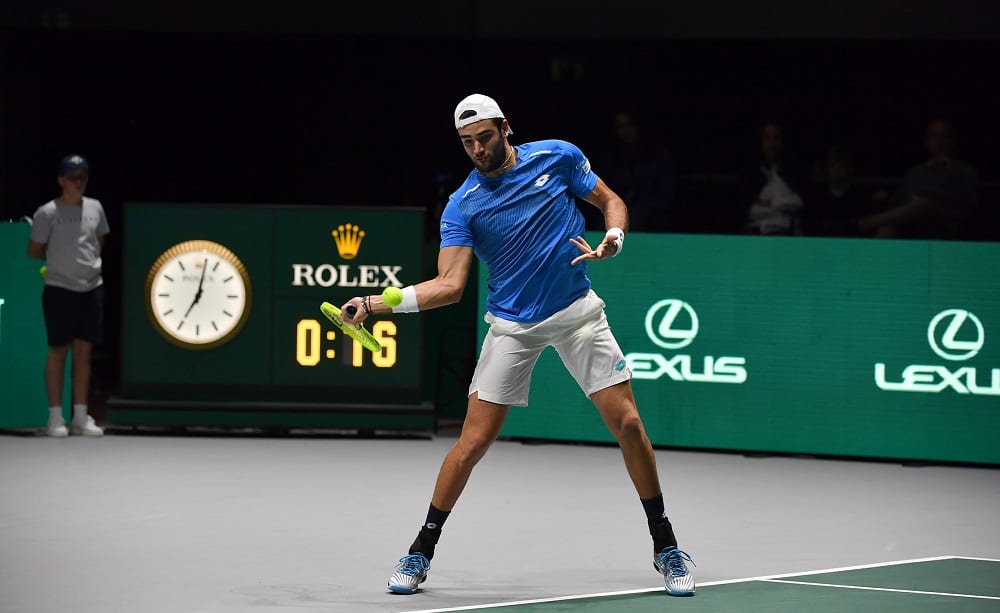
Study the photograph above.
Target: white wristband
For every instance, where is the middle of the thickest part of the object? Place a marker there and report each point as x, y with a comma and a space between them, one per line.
619, 235
409, 303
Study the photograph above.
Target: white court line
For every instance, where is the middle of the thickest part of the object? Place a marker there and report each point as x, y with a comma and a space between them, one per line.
976, 559
498, 605
879, 589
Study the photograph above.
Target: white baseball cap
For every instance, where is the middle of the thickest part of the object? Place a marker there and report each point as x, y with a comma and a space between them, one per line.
481, 107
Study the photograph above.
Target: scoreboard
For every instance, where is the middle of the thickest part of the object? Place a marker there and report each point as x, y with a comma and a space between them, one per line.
192, 272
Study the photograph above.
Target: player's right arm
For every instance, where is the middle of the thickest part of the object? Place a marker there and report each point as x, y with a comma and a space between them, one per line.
449, 284
39, 237
454, 261
444, 289
36, 250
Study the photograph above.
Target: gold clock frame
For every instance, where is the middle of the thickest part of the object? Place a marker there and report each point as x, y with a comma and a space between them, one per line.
203, 246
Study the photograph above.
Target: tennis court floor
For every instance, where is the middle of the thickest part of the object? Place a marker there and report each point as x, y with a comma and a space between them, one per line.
953, 584
231, 524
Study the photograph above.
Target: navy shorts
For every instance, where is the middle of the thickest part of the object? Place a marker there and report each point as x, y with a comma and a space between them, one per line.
73, 315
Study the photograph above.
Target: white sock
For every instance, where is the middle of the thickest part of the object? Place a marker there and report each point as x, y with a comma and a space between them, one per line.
79, 413
55, 414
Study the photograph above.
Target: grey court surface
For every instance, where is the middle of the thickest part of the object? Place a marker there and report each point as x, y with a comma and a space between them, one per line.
227, 524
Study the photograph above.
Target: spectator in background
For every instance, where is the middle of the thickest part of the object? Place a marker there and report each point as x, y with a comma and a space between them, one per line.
771, 188
68, 233
643, 172
836, 205
936, 199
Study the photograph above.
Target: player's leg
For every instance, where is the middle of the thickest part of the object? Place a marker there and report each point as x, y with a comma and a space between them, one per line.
87, 331
81, 350
483, 421
59, 333
55, 366
592, 355
83, 423
617, 408
590, 352
502, 379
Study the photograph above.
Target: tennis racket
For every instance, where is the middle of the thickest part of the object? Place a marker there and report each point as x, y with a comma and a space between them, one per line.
355, 331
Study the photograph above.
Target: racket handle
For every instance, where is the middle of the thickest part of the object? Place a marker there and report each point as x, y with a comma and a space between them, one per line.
351, 310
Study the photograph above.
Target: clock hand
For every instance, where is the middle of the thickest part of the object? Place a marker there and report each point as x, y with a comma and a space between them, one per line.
197, 295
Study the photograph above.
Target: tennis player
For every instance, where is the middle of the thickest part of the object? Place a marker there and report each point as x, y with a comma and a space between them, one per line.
516, 212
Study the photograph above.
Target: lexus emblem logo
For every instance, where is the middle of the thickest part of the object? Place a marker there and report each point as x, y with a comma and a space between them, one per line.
953, 321
663, 327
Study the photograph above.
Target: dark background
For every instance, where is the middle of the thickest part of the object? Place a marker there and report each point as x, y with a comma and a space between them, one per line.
334, 102
315, 102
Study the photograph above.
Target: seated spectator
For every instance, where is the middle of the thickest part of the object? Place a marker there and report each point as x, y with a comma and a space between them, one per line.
771, 188
936, 198
641, 171
836, 205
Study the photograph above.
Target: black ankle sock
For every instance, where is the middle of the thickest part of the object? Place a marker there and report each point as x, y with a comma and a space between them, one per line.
430, 532
435, 518
425, 542
653, 507
662, 533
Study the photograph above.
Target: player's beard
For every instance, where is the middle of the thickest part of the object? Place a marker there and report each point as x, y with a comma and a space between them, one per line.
496, 159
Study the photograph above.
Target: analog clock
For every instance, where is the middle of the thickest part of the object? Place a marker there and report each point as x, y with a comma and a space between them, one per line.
198, 294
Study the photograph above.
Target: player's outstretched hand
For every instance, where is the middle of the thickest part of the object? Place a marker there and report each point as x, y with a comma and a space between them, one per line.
606, 249
353, 312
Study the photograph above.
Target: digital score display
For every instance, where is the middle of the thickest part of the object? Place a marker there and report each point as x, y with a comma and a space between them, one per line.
309, 350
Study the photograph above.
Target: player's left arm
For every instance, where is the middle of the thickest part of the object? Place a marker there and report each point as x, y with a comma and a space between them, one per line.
615, 218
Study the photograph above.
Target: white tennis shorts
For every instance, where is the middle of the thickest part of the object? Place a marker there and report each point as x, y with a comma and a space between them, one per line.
580, 335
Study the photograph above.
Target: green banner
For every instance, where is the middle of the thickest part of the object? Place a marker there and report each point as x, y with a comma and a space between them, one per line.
23, 345
795, 345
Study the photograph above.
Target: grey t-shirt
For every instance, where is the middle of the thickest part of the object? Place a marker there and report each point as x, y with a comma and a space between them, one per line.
73, 253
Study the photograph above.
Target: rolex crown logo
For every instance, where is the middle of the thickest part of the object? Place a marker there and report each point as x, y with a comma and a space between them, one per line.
348, 239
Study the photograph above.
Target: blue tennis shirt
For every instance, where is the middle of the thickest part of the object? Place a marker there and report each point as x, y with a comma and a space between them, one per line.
520, 224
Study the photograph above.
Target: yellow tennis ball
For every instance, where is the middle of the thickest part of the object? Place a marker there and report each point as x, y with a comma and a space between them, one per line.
392, 296
41, 271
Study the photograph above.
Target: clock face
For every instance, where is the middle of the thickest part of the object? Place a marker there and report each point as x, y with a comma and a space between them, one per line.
198, 294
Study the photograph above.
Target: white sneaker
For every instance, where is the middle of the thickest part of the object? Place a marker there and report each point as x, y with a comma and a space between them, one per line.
86, 428
57, 429
409, 574
676, 577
